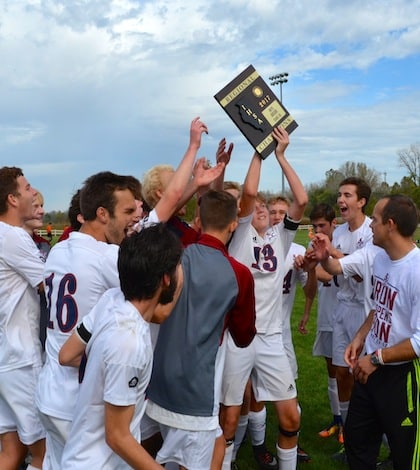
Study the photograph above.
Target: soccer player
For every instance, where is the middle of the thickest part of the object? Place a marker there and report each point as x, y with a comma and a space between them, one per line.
44, 247
263, 250
77, 272
354, 290
21, 270
386, 391
184, 391
323, 220
105, 432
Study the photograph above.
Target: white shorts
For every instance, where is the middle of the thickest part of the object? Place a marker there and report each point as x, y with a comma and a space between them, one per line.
17, 404
148, 427
191, 449
265, 360
57, 434
290, 350
347, 320
323, 344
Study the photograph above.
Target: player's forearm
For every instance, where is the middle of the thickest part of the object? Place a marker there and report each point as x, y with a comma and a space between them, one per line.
332, 266
250, 187
132, 452
300, 197
363, 331
310, 288
403, 351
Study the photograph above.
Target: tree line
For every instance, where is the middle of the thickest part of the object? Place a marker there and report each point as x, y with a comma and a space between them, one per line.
326, 190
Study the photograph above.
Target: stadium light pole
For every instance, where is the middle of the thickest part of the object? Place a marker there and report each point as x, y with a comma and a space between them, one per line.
280, 79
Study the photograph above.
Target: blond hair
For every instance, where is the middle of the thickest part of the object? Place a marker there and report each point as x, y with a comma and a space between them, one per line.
152, 183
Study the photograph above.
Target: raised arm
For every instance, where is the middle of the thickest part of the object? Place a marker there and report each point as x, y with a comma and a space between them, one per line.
300, 198
250, 187
203, 177
223, 155
171, 197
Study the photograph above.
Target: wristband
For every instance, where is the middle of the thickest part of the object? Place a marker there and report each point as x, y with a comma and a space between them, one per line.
379, 354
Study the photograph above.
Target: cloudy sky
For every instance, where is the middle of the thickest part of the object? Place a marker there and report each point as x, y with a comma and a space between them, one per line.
92, 85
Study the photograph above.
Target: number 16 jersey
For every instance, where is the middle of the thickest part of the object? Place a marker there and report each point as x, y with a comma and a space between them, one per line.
77, 272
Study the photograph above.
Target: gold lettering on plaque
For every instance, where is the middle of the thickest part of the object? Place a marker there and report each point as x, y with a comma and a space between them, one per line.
239, 89
286, 122
264, 144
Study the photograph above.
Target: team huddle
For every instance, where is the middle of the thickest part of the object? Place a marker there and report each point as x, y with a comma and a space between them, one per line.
165, 339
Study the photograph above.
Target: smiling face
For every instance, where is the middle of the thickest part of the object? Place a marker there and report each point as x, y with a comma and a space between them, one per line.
125, 215
348, 203
25, 197
260, 219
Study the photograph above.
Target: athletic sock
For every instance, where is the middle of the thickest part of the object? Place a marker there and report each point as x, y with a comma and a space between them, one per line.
333, 396
287, 458
31, 467
227, 459
344, 409
256, 426
240, 434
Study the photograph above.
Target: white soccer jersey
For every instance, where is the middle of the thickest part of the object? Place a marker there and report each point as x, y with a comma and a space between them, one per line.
347, 242
77, 272
396, 294
118, 371
21, 270
266, 259
360, 263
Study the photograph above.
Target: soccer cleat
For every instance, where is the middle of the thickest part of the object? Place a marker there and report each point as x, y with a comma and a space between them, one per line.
340, 456
265, 459
302, 456
340, 434
330, 430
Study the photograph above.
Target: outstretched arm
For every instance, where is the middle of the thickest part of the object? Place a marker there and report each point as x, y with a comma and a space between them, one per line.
169, 202
300, 198
222, 156
250, 187
203, 176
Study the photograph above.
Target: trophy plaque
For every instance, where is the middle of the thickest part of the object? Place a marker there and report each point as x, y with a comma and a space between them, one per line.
255, 109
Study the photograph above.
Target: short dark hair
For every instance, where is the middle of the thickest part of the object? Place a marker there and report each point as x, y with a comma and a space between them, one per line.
322, 211
8, 185
217, 210
363, 190
144, 257
99, 191
135, 187
74, 211
403, 211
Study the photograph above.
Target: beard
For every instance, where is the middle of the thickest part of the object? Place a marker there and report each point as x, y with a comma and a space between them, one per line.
167, 294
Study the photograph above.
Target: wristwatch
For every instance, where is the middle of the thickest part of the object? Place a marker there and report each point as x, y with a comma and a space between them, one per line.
374, 359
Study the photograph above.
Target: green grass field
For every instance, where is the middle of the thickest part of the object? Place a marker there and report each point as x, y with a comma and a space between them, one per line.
312, 393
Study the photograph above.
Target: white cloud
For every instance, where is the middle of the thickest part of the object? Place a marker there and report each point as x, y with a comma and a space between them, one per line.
114, 84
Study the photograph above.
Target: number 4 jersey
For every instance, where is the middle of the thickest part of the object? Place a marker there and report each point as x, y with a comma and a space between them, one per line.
77, 272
